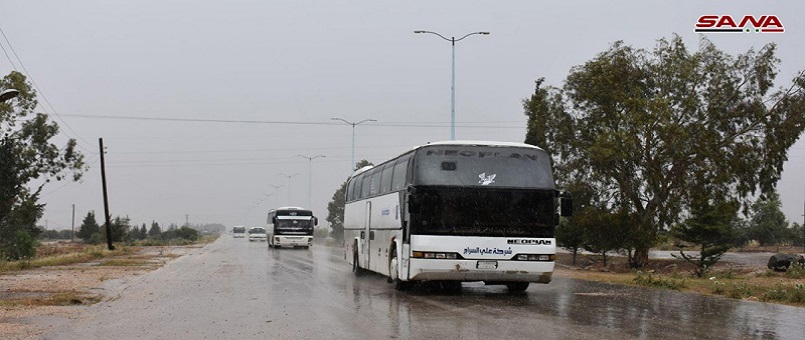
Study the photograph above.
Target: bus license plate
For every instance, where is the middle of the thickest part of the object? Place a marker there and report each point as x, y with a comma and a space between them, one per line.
487, 265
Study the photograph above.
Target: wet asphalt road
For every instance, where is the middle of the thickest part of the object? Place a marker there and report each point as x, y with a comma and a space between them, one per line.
234, 289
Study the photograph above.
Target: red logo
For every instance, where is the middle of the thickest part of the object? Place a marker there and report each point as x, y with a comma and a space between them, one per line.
747, 23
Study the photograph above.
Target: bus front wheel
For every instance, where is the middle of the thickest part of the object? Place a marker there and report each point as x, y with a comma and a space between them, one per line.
393, 274
356, 269
517, 286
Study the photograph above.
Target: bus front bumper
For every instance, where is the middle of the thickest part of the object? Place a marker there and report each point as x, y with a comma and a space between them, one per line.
293, 241
468, 270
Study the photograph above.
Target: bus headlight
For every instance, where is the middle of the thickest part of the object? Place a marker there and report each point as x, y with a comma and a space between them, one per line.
435, 255
534, 257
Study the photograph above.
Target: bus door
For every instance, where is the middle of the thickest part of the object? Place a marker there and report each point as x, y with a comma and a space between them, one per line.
367, 235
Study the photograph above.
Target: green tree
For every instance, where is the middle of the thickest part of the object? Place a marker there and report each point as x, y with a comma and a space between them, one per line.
120, 227
570, 236
143, 233
88, 227
797, 234
187, 233
155, 230
27, 154
335, 209
711, 228
648, 128
768, 225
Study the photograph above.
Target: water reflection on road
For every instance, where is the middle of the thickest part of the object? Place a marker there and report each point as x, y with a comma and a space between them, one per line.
565, 308
233, 289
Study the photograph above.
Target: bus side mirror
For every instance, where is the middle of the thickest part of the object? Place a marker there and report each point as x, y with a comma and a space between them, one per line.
315, 221
566, 204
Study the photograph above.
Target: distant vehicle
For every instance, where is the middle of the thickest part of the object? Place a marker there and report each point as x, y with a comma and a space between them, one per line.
257, 234
238, 232
456, 211
291, 226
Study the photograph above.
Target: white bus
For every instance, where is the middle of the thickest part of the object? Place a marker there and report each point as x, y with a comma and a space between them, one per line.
290, 226
456, 211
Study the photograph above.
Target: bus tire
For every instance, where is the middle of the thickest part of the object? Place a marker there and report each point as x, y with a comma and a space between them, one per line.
399, 285
356, 268
516, 287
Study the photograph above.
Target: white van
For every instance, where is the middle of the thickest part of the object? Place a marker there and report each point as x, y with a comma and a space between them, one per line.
239, 231
257, 233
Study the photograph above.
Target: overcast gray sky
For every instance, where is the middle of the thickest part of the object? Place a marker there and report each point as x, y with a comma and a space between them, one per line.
308, 61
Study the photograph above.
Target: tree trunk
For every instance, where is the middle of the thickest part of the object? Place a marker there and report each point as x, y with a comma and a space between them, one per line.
640, 258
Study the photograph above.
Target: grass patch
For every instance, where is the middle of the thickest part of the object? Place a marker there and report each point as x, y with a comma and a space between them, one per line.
66, 298
87, 254
125, 263
724, 280
651, 280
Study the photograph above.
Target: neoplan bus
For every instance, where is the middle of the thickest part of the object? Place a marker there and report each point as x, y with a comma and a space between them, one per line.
456, 211
290, 226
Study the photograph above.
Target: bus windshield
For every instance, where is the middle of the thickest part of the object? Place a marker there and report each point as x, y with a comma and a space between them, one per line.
482, 212
294, 224
483, 166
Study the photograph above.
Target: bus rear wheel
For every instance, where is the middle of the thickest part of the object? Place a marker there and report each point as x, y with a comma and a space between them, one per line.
517, 287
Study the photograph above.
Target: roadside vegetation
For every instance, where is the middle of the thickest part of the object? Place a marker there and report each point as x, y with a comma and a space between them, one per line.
754, 284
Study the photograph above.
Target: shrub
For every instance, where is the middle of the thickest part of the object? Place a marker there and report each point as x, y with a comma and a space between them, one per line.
20, 246
648, 279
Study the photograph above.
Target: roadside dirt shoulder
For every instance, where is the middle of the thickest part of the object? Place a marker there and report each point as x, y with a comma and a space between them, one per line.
35, 300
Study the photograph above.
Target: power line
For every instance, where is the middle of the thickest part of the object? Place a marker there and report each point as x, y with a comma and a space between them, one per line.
248, 150
7, 57
203, 120
41, 93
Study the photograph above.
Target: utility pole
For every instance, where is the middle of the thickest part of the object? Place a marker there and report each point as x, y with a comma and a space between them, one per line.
187, 220
72, 233
109, 244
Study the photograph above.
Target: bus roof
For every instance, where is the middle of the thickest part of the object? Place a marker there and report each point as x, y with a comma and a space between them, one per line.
288, 208
454, 142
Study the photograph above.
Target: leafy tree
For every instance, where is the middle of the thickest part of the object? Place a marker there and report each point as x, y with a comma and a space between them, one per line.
768, 225
27, 154
335, 209
797, 234
648, 129
603, 231
143, 232
120, 228
155, 230
65, 234
570, 236
710, 227
187, 233
88, 227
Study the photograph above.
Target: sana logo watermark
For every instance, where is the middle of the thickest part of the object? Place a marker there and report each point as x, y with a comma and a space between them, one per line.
744, 24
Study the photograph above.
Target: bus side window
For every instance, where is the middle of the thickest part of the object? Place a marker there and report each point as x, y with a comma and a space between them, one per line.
374, 184
365, 184
398, 182
385, 181
356, 194
350, 195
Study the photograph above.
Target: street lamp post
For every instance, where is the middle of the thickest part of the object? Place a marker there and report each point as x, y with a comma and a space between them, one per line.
310, 176
352, 166
289, 185
452, 41
8, 94
277, 188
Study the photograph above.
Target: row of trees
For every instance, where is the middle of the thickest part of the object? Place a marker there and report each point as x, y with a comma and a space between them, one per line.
711, 228
667, 139
123, 231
